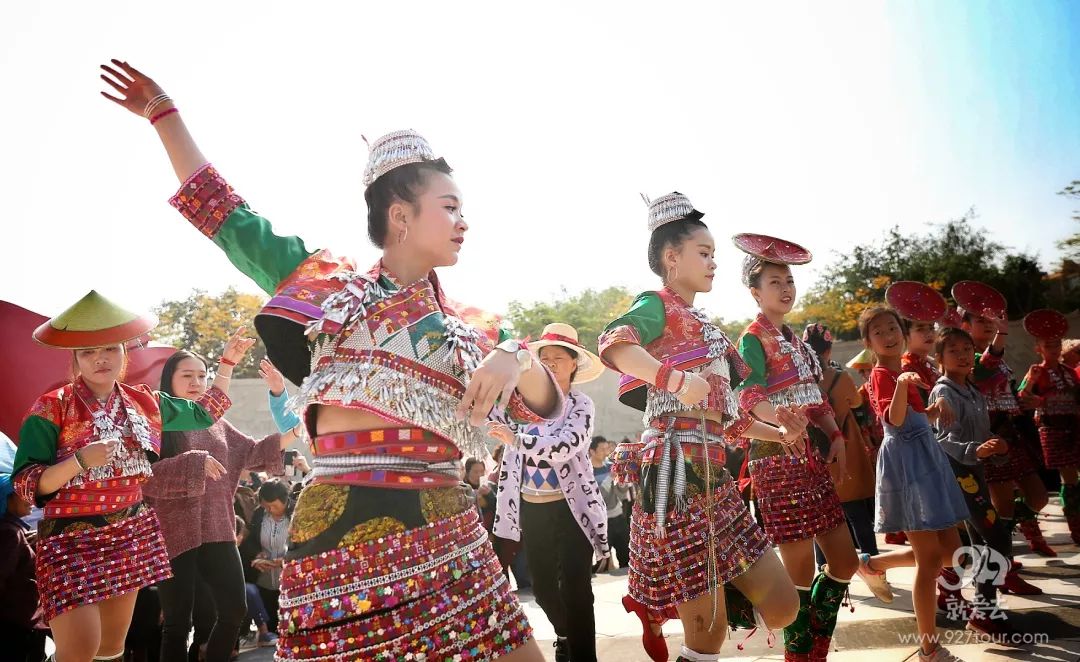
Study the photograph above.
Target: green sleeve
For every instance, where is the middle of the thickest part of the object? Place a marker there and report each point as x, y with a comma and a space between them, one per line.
753, 354
982, 371
37, 443
646, 316
180, 415
251, 245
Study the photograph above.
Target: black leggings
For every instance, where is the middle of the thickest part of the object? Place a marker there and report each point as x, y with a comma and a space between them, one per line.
218, 564
985, 530
560, 562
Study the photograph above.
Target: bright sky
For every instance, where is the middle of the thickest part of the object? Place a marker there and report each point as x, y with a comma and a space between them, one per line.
824, 123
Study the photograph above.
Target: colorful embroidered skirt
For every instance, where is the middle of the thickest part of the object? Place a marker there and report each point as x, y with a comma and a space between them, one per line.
85, 560
669, 570
1058, 437
1018, 462
392, 574
796, 496
1015, 465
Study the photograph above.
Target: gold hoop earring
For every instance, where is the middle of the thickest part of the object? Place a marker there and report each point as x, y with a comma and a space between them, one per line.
671, 277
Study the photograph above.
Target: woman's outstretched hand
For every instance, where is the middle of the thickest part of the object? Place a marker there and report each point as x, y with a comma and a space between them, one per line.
136, 89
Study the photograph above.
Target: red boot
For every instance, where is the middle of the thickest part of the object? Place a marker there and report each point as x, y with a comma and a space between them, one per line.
1030, 529
653, 642
996, 630
898, 538
822, 647
1017, 586
950, 600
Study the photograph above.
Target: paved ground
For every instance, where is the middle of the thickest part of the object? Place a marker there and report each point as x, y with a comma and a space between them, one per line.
874, 632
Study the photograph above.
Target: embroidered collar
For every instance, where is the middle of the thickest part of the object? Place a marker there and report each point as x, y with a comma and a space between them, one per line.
805, 361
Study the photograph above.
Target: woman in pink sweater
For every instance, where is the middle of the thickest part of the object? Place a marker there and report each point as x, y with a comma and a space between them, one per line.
192, 491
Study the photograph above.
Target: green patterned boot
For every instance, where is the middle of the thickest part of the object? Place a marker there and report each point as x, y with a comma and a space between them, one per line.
1070, 505
826, 595
798, 642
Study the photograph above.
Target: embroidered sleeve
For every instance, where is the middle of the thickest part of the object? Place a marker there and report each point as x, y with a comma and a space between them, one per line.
38, 439
210, 204
179, 476
569, 436
752, 387
180, 415
735, 430
640, 325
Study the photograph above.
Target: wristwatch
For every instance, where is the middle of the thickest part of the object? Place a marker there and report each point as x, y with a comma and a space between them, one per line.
520, 351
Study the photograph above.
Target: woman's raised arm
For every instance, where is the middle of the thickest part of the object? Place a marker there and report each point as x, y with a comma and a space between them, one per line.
142, 96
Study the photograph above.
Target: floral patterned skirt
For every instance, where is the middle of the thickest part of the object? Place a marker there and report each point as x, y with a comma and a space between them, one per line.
86, 560
392, 574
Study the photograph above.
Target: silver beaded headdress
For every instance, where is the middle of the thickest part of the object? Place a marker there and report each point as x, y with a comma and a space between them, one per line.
749, 264
669, 208
393, 151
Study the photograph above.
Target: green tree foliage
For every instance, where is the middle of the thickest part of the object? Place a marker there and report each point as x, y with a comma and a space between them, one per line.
202, 323
734, 328
949, 252
588, 312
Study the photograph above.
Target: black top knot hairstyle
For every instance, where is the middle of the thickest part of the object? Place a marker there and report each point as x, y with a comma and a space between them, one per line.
404, 183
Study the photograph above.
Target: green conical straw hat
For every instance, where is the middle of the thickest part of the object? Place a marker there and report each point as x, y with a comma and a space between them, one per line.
93, 321
864, 359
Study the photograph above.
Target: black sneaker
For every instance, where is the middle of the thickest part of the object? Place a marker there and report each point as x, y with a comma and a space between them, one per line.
562, 651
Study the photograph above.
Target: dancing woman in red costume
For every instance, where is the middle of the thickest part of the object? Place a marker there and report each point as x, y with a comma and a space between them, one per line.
792, 484
690, 532
84, 453
387, 557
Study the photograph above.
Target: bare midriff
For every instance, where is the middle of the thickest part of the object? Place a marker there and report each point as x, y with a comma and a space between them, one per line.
715, 416
534, 498
330, 419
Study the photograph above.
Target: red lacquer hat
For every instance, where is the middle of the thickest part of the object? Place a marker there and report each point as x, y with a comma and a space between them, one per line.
1046, 324
772, 249
916, 301
980, 299
953, 319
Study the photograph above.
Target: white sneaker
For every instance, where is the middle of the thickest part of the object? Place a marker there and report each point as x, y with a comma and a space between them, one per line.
940, 654
874, 580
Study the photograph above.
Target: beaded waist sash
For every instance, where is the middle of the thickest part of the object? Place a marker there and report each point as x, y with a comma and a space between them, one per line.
403, 458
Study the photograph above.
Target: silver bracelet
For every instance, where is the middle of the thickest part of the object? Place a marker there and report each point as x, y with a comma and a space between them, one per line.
154, 103
685, 388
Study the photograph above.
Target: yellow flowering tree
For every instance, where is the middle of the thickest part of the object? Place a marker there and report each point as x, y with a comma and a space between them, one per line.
202, 323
